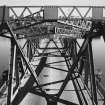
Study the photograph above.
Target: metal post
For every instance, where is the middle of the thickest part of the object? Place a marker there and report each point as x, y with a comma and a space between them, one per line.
10, 73
3, 18
86, 66
16, 68
30, 51
74, 50
94, 93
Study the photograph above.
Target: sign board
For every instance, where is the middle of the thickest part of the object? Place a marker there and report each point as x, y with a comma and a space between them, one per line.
67, 31
6, 11
74, 32
97, 13
50, 13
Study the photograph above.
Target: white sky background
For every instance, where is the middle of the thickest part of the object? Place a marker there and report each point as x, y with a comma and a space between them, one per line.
53, 2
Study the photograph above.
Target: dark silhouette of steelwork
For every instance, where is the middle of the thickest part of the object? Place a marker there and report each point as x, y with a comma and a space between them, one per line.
34, 28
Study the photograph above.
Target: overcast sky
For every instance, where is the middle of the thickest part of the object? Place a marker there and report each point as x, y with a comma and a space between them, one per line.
53, 2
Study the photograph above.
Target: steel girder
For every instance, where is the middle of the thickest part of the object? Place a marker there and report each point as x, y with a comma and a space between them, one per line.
70, 73
67, 54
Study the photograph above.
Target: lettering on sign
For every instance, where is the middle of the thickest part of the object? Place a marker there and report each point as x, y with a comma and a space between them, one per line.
74, 32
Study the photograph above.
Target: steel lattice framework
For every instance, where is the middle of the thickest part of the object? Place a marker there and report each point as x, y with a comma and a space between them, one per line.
29, 23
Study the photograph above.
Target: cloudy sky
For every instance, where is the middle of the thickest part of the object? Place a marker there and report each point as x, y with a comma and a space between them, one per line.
53, 2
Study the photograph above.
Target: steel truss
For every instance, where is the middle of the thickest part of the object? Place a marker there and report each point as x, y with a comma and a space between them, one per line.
34, 28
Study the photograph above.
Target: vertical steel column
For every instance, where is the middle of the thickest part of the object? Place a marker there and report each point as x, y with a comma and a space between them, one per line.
94, 91
80, 69
16, 68
3, 18
86, 67
10, 73
74, 50
28, 49
34, 46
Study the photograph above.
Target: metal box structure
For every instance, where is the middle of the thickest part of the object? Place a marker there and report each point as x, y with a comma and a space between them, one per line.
50, 13
97, 13
4, 11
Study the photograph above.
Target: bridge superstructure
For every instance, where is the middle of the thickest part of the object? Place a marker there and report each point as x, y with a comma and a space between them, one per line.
63, 24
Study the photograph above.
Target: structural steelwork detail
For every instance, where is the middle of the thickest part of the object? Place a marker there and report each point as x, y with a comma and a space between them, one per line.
47, 63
